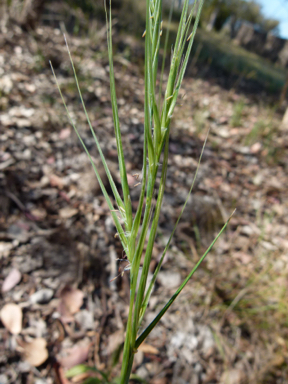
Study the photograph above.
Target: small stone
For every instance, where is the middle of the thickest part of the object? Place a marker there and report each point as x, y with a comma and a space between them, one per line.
3, 379
142, 372
234, 376
85, 319
5, 249
67, 212
43, 296
169, 280
23, 367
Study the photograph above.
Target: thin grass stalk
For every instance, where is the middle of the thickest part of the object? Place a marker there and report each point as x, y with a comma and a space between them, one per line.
134, 311
185, 62
154, 143
110, 178
130, 338
128, 344
173, 66
165, 50
103, 189
152, 173
121, 160
137, 218
148, 254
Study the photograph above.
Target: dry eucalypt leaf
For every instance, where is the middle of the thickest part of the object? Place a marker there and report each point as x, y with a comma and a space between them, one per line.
70, 303
35, 352
74, 356
12, 279
11, 317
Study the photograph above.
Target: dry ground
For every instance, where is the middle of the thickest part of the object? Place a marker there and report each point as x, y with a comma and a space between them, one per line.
57, 248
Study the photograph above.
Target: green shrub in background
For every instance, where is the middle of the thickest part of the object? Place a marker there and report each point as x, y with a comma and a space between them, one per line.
130, 13
133, 227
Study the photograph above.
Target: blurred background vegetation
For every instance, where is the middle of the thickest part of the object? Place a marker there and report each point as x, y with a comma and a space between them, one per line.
234, 39
215, 14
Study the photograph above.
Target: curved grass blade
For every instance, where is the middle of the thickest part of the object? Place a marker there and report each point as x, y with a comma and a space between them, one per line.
152, 236
174, 64
122, 167
178, 64
110, 178
148, 91
156, 320
185, 61
103, 189
165, 51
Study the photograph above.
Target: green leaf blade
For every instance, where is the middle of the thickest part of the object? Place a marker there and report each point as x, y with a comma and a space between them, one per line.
121, 160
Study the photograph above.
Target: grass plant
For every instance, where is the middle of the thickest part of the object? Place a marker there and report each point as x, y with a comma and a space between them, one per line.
236, 118
137, 230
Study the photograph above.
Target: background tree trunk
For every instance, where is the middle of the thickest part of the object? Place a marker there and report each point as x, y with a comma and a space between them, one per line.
212, 19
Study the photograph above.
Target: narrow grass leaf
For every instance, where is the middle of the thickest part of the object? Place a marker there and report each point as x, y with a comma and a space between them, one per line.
165, 51
103, 189
156, 320
148, 92
121, 160
185, 62
147, 260
110, 178
137, 218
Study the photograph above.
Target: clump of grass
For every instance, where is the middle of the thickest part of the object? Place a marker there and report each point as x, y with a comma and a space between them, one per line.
261, 130
132, 228
236, 118
264, 132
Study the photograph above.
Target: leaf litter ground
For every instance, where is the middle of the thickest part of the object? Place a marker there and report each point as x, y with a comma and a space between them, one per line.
57, 245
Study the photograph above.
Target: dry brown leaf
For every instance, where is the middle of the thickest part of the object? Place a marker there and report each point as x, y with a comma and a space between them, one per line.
255, 148
114, 340
11, 280
159, 380
244, 257
64, 133
234, 376
11, 317
147, 348
36, 352
56, 181
67, 212
39, 213
71, 300
75, 355
277, 360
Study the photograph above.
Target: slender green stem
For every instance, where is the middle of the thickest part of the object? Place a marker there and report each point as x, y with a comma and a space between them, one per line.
165, 50
121, 160
153, 145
